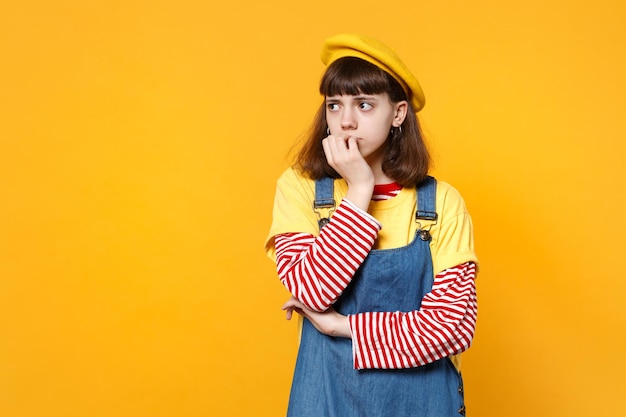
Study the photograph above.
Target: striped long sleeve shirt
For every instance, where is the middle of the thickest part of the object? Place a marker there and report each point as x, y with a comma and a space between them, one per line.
317, 270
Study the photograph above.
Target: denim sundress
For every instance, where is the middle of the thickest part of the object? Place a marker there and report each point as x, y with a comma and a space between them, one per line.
325, 384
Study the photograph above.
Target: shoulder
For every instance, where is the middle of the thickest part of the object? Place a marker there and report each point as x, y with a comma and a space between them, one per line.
299, 186
453, 237
294, 177
293, 185
293, 209
449, 200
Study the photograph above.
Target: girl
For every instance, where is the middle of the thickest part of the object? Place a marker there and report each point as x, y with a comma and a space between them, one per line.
379, 257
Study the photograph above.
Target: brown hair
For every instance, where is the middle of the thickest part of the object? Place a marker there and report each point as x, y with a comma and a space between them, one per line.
406, 159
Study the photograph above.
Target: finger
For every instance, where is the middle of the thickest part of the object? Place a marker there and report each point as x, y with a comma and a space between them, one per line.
327, 150
292, 303
352, 143
348, 147
341, 142
289, 303
331, 144
335, 149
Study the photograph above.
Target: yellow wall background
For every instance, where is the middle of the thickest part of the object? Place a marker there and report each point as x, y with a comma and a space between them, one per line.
139, 146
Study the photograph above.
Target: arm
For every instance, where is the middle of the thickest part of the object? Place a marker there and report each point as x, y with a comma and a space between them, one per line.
443, 326
328, 322
317, 270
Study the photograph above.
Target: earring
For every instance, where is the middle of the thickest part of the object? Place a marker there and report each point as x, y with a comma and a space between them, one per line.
327, 131
396, 132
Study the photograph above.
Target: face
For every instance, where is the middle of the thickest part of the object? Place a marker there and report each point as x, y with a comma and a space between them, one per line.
367, 117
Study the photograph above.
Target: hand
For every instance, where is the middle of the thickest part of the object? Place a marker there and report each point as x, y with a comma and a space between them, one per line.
342, 153
328, 322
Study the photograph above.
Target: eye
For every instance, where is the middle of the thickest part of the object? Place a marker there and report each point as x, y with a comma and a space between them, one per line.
332, 106
365, 106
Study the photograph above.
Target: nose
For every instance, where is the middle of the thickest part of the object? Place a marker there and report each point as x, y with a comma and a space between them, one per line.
348, 121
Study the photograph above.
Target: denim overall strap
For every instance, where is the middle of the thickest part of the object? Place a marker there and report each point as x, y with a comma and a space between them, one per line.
426, 199
325, 382
324, 199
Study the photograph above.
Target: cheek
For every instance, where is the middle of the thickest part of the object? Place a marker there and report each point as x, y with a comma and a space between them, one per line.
331, 118
381, 127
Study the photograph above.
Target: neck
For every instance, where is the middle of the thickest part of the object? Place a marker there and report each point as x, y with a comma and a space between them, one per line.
379, 176
375, 161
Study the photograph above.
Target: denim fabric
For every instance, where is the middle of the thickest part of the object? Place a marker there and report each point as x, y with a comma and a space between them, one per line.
325, 384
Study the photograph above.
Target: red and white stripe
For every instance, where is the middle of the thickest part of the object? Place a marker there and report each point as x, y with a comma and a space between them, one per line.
443, 326
386, 191
317, 270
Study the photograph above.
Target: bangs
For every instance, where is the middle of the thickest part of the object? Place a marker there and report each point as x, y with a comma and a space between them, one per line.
354, 76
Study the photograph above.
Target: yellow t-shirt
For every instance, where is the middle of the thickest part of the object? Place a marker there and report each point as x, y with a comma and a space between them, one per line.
452, 240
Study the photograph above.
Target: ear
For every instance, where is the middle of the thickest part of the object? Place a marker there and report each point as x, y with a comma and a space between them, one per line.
401, 108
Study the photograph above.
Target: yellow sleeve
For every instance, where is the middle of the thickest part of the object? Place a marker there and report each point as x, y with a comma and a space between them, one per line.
453, 241
293, 208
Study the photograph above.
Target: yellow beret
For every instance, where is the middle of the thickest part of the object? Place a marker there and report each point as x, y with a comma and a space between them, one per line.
377, 53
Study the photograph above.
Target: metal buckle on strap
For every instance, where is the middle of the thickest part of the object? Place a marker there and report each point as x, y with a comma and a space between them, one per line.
324, 205
426, 215
432, 216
